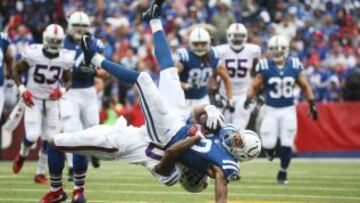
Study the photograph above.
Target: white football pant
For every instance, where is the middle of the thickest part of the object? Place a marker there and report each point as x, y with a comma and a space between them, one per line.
278, 123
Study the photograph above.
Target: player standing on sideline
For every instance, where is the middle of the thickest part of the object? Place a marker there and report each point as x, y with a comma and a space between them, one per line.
46, 65
240, 59
6, 63
278, 74
196, 66
79, 110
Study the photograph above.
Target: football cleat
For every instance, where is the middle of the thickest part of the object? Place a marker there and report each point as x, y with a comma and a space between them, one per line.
282, 178
89, 48
78, 196
18, 163
154, 11
41, 179
54, 197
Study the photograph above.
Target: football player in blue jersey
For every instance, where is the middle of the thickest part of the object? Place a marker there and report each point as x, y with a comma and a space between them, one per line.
75, 113
165, 123
6, 64
197, 65
278, 74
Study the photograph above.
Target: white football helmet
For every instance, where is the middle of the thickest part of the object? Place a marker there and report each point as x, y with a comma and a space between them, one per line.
237, 35
199, 41
78, 24
193, 181
245, 145
278, 47
53, 38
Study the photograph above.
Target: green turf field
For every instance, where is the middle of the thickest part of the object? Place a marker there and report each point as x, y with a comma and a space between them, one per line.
310, 181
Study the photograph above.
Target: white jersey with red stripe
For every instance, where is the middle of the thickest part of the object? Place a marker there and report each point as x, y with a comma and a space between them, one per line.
238, 65
45, 73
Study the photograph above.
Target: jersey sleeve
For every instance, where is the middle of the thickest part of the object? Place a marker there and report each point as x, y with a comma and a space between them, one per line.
256, 51
262, 67
231, 170
100, 45
6, 41
297, 66
215, 59
26, 54
69, 59
182, 55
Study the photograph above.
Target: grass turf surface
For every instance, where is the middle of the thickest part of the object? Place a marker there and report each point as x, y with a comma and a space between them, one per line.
311, 180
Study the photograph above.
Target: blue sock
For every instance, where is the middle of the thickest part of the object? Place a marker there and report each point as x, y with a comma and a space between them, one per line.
162, 50
120, 72
285, 157
56, 161
44, 146
80, 163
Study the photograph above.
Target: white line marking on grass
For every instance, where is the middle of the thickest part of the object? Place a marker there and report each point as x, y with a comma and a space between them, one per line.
289, 187
36, 200
337, 197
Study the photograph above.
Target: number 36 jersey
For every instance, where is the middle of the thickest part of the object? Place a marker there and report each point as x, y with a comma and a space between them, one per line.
238, 65
279, 83
44, 73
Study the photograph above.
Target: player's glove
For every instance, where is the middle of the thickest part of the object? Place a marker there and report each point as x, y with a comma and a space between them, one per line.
57, 93
89, 48
215, 98
247, 102
26, 96
313, 109
215, 119
230, 105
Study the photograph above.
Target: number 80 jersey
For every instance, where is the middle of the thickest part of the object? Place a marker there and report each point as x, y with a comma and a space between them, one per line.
279, 83
44, 73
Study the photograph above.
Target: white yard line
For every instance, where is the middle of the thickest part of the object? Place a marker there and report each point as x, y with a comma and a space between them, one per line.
275, 187
333, 197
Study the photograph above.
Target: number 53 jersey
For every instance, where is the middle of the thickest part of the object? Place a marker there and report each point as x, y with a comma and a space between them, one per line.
44, 73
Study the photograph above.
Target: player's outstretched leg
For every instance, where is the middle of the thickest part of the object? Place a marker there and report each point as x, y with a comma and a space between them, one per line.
56, 161
285, 158
23, 154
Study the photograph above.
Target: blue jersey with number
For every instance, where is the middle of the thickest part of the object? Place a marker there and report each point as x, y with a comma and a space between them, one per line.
82, 75
207, 152
279, 83
4, 44
196, 72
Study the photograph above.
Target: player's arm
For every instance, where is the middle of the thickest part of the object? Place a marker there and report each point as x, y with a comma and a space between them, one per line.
9, 61
101, 73
168, 161
67, 78
305, 87
253, 89
222, 72
19, 68
220, 184
253, 67
180, 69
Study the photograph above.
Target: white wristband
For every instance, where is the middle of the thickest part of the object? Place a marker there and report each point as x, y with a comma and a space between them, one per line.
97, 60
62, 90
21, 89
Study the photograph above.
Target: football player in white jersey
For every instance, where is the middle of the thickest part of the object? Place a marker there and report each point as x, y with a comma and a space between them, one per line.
46, 65
240, 59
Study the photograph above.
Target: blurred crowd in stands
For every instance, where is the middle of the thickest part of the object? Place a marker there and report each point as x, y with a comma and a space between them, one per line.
324, 34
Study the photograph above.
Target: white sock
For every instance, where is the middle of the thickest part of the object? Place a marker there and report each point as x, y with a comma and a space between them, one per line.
42, 163
97, 60
69, 160
24, 150
155, 25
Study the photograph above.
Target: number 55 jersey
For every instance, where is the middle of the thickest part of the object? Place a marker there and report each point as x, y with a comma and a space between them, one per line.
45, 73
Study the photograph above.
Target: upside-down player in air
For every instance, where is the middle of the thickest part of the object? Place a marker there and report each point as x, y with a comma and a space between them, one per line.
215, 154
